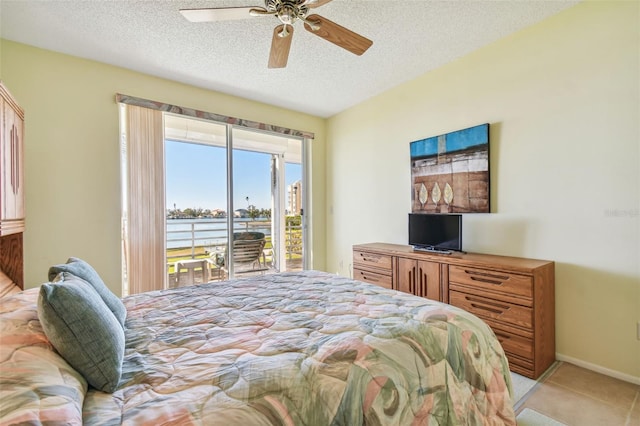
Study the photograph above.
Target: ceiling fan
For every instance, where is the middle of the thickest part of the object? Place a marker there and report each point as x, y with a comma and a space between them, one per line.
288, 12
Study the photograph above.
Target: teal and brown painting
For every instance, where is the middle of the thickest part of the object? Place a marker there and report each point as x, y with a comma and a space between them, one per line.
450, 172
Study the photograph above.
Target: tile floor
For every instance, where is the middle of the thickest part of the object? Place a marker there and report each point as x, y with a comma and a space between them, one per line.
579, 397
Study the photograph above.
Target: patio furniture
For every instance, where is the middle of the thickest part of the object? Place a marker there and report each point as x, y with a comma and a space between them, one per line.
248, 254
191, 265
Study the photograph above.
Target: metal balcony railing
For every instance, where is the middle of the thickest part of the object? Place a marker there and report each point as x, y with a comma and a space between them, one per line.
198, 238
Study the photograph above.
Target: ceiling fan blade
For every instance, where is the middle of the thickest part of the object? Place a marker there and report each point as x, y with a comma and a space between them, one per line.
280, 46
220, 14
337, 34
312, 4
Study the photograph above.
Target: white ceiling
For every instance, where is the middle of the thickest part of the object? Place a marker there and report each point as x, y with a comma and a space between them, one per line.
410, 38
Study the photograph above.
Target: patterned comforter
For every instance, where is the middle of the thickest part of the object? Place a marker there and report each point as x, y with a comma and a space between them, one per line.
304, 348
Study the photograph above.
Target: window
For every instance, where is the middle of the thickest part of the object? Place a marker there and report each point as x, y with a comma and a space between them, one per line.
225, 160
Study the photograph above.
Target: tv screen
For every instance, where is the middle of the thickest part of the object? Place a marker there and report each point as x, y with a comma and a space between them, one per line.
435, 231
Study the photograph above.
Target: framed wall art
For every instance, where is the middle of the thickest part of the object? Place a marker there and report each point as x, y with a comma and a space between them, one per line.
450, 172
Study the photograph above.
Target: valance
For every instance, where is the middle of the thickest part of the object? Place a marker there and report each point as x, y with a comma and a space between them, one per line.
190, 112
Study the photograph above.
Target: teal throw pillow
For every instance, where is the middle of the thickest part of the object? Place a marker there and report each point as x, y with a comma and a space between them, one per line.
83, 330
82, 269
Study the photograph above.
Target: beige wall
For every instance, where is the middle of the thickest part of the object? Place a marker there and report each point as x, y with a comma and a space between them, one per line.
562, 98
563, 101
72, 153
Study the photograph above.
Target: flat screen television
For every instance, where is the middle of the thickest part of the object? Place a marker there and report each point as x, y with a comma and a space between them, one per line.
435, 232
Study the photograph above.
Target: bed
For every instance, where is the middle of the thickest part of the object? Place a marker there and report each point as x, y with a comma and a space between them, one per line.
299, 348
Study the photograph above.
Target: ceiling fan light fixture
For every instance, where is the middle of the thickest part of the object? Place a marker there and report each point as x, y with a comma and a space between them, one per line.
287, 12
287, 16
285, 32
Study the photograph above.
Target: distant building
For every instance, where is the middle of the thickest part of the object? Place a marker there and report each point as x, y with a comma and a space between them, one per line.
241, 213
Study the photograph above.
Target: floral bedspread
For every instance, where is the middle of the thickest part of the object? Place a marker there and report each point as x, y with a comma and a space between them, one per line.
37, 386
304, 348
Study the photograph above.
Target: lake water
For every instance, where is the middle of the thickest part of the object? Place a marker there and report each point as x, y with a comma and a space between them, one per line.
209, 232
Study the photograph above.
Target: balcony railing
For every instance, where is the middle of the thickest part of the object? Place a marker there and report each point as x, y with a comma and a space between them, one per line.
199, 238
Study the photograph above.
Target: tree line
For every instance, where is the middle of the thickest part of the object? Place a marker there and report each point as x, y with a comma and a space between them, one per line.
197, 213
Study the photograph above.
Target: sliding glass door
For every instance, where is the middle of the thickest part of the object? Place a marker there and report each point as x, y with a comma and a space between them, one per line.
234, 200
193, 187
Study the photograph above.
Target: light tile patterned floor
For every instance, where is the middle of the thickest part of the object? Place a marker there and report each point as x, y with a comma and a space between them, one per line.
578, 397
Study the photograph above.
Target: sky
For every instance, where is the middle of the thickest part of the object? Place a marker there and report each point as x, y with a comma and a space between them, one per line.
196, 177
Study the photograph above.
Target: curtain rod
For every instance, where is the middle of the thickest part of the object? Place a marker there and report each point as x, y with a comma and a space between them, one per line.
190, 112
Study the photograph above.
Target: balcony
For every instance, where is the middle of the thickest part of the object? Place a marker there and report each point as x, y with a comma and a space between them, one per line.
200, 239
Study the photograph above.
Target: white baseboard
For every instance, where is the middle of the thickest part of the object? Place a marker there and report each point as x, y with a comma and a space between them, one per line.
599, 369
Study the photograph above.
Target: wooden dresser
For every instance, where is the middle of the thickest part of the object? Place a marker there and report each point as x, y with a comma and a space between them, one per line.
515, 296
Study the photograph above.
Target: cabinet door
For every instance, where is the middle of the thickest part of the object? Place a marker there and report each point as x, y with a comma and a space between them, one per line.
407, 269
12, 179
428, 280
4, 163
419, 277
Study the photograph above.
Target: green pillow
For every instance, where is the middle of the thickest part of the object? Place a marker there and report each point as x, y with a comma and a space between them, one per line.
83, 330
82, 269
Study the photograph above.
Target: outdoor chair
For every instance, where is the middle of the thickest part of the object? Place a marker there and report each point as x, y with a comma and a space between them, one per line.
248, 254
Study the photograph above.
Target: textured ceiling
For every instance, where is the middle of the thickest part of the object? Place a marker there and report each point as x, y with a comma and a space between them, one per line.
152, 37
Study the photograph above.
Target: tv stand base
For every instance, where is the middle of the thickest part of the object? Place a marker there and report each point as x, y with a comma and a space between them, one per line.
431, 250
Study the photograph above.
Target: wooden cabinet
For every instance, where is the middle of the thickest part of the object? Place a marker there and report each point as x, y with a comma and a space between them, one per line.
419, 277
514, 296
11, 164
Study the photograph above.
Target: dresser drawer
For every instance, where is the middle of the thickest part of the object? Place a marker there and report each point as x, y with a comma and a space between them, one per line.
503, 282
512, 343
372, 277
521, 366
380, 261
505, 312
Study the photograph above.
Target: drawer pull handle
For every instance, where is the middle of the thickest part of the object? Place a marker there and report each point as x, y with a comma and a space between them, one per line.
501, 336
370, 259
486, 280
487, 305
486, 277
368, 278
487, 308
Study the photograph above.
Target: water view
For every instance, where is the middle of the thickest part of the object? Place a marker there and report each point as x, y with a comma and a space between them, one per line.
197, 204
187, 233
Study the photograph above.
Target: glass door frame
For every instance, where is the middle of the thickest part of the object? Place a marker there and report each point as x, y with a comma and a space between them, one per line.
278, 205
130, 125
278, 194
